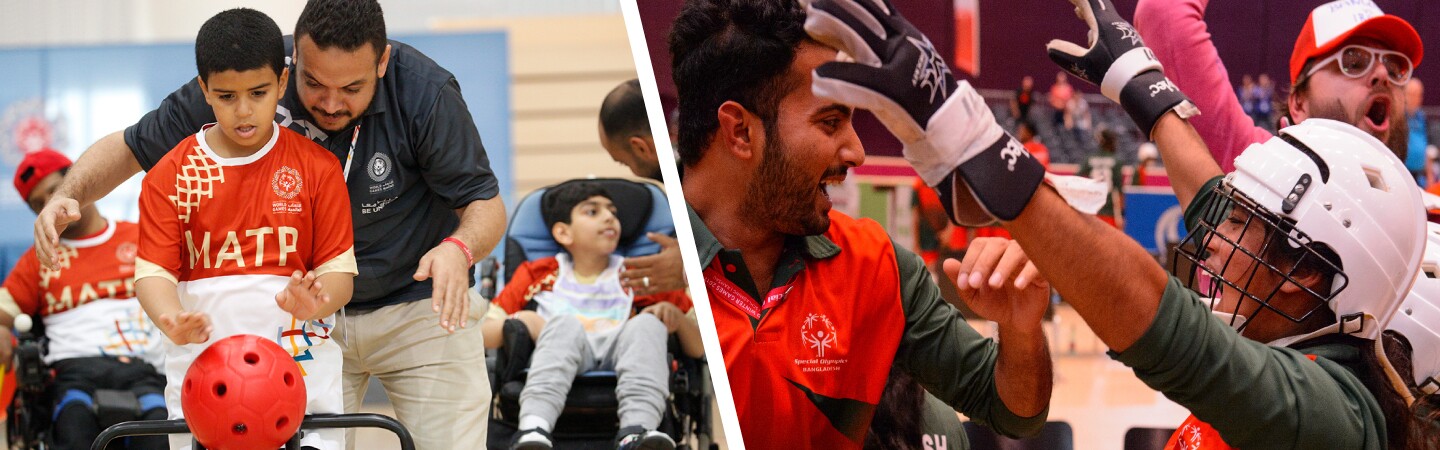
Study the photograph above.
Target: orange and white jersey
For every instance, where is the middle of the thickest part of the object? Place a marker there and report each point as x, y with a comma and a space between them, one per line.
230, 231
87, 302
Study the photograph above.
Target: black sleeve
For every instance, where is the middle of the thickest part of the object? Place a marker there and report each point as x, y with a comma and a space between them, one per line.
180, 115
450, 154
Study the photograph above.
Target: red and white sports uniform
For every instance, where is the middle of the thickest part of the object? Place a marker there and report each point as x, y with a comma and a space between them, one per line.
87, 302
230, 231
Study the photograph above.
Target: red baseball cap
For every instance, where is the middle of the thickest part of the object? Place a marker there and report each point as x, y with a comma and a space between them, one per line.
1332, 24
35, 167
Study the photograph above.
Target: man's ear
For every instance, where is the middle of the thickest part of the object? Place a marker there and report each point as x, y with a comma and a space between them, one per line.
1299, 106
643, 148
561, 232
736, 131
384, 62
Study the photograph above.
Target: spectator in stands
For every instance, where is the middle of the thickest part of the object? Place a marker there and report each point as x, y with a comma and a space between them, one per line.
1025, 131
1265, 103
1024, 97
1103, 167
1060, 94
1247, 92
1415, 157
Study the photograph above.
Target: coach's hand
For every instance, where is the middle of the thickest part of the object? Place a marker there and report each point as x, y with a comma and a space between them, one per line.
945, 126
998, 282
448, 269
186, 327
1117, 60
660, 272
58, 214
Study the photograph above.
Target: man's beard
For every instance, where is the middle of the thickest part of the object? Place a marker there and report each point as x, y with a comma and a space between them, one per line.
782, 196
1399, 140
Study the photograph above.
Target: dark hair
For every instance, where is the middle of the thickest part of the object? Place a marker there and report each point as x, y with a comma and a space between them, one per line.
622, 114
1026, 124
239, 39
559, 201
900, 414
346, 24
731, 50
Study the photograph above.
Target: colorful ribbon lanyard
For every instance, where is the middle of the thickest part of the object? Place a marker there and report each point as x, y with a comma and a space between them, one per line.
722, 287
350, 156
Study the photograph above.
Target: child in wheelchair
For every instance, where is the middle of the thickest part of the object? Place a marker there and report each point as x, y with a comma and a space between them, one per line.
585, 320
100, 346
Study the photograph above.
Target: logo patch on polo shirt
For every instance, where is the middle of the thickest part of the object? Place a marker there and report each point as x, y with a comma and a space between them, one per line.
818, 335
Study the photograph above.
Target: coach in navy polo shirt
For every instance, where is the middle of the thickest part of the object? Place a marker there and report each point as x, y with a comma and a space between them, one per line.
422, 194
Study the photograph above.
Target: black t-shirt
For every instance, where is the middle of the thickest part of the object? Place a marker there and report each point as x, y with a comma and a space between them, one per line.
418, 157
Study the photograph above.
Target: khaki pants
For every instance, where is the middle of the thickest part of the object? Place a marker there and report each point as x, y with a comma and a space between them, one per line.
435, 380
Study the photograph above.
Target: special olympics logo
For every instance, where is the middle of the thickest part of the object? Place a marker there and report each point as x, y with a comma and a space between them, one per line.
286, 182
126, 253
818, 333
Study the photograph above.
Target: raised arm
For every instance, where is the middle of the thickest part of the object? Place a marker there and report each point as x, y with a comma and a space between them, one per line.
1176, 31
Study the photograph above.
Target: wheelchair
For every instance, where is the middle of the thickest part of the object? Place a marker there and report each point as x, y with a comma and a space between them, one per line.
28, 424
590, 418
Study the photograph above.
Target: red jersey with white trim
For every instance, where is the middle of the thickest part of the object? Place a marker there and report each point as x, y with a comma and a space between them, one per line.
87, 302
230, 231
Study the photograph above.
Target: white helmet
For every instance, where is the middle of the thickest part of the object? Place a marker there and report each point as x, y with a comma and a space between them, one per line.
1419, 317
1338, 197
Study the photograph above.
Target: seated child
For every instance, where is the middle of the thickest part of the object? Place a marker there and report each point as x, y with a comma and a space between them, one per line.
584, 320
245, 226
99, 337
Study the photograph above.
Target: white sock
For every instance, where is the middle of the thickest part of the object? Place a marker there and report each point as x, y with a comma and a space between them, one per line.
529, 422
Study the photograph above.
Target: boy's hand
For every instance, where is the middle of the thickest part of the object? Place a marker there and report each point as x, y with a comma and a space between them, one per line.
660, 272
303, 297
446, 267
186, 327
998, 282
668, 314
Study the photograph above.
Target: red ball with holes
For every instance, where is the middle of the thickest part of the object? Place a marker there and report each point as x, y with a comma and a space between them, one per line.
242, 393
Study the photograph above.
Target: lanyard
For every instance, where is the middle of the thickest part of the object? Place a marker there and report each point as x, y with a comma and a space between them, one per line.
722, 287
351, 155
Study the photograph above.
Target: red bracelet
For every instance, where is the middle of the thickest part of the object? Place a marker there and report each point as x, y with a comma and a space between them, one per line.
469, 259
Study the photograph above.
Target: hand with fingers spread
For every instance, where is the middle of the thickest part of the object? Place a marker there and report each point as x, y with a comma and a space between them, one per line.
1117, 60
447, 266
304, 297
998, 282
186, 327
668, 313
660, 272
58, 214
947, 130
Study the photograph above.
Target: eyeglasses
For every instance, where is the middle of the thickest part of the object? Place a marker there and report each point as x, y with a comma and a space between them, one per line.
1357, 60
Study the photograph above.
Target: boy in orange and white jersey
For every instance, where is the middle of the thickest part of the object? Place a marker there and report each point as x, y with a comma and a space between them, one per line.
98, 335
245, 226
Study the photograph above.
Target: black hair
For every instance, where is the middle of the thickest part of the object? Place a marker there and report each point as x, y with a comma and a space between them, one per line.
622, 114
1027, 124
343, 24
559, 201
239, 39
731, 50
900, 414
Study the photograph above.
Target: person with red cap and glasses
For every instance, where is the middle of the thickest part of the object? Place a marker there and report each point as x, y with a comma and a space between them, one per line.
99, 336
1350, 63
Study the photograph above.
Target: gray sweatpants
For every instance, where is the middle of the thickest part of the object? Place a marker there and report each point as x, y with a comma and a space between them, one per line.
637, 356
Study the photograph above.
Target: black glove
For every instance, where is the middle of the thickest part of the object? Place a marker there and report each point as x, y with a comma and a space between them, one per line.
1118, 61
946, 128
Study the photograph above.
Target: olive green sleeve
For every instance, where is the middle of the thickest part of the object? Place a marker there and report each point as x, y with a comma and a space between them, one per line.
952, 360
1256, 396
1204, 198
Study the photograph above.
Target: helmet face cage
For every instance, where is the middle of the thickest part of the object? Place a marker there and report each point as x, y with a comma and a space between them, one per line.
1284, 251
